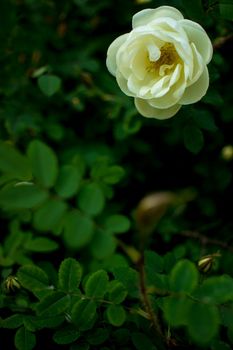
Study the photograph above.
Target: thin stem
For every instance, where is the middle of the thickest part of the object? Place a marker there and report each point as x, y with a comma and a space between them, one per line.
144, 296
206, 240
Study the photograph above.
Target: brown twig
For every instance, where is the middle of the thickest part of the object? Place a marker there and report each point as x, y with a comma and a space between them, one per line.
206, 240
219, 42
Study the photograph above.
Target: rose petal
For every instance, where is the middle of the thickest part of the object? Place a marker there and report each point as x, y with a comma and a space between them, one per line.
196, 91
198, 36
145, 16
122, 82
112, 51
148, 111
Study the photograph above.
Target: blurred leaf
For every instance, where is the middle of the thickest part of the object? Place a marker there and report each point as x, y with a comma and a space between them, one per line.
193, 138
219, 345
153, 262
129, 278
44, 163
24, 340
183, 277
33, 278
194, 9
66, 336
14, 163
117, 223
13, 321
203, 322
204, 120
47, 216
226, 9
41, 244
21, 196
117, 292
96, 284
91, 199
49, 84
78, 230
97, 336
141, 341
116, 315
83, 314
103, 244
69, 275
53, 304
217, 289
176, 310
68, 181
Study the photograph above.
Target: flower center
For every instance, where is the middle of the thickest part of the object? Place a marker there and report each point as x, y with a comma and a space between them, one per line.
168, 58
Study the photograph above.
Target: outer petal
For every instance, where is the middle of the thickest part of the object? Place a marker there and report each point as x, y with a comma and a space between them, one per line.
198, 36
148, 111
112, 51
145, 16
196, 91
122, 82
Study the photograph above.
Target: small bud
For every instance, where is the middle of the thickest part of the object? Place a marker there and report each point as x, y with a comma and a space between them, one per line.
151, 209
11, 283
205, 264
227, 152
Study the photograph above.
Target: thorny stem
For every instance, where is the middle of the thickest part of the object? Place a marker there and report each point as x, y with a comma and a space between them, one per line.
206, 240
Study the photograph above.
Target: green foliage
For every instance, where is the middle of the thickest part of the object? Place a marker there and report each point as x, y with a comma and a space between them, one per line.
76, 159
49, 84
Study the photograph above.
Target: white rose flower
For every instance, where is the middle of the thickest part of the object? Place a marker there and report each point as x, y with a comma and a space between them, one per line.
161, 62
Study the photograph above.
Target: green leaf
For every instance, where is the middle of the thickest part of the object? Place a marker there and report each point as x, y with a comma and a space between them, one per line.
98, 336
204, 120
33, 278
49, 84
129, 278
194, 9
13, 321
176, 310
14, 163
66, 335
41, 245
203, 322
69, 275
68, 181
83, 314
142, 342
216, 290
91, 199
153, 263
78, 230
109, 174
43, 162
226, 11
220, 345
103, 244
96, 284
53, 304
226, 312
113, 175
47, 216
116, 315
183, 277
116, 292
40, 322
24, 340
117, 223
193, 139
21, 196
